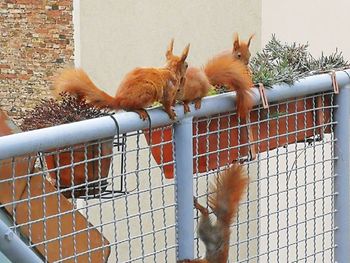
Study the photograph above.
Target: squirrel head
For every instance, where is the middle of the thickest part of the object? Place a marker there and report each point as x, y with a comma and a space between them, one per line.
240, 49
177, 64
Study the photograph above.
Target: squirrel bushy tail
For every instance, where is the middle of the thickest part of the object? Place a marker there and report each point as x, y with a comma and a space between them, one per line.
234, 75
75, 81
227, 191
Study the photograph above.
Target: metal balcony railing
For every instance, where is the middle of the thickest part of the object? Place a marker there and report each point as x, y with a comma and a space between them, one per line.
131, 196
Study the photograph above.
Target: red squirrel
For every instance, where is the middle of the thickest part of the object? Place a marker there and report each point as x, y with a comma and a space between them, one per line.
229, 69
196, 86
227, 191
235, 76
139, 89
240, 49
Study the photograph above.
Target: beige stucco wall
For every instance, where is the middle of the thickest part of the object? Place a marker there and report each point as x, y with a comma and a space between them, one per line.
112, 37
116, 36
324, 24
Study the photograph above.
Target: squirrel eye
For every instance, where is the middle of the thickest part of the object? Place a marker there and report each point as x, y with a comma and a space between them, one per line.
239, 55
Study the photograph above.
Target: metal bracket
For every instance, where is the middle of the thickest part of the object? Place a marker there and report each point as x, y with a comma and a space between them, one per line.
334, 82
263, 97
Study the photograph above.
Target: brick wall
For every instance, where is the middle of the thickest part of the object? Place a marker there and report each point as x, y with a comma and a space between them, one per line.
36, 39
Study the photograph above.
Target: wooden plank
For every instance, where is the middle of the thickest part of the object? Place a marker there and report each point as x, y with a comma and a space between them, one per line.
13, 172
33, 209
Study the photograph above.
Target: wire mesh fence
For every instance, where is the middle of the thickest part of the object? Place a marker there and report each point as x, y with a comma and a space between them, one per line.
288, 213
116, 208
115, 199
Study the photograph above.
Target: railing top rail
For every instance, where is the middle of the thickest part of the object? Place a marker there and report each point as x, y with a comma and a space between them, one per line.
104, 127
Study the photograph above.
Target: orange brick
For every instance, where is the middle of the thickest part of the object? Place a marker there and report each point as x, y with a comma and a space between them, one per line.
21, 20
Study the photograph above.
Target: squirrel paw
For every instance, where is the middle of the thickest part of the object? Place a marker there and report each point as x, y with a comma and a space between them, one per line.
198, 104
186, 108
172, 114
143, 114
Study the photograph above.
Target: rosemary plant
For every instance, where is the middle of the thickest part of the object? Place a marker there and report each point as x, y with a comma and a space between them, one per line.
285, 63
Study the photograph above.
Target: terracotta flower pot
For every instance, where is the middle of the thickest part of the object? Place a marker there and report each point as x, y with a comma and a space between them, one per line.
289, 122
206, 143
68, 177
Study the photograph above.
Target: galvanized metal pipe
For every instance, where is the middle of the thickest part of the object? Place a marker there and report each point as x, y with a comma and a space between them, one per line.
83, 131
342, 180
184, 188
14, 248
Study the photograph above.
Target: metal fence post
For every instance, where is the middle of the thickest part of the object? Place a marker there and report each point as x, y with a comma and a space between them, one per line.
14, 248
184, 188
342, 182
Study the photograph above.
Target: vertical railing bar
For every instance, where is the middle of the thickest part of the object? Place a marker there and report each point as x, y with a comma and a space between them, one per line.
278, 136
268, 157
258, 212
163, 198
286, 185
342, 180
73, 202
238, 212
124, 151
43, 185
207, 148
114, 209
196, 137
99, 173
296, 184
315, 205
332, 173
249, 190
184, 188
29, 203
305, 145
87, 215
13, 164
137, 173
151, 202
323, 174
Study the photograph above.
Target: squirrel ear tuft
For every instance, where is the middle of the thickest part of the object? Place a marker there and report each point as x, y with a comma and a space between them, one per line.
185, 52
235, 42
250, 38
169, 52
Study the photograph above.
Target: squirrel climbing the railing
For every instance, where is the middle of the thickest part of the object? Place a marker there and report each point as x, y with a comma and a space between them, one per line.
227, 191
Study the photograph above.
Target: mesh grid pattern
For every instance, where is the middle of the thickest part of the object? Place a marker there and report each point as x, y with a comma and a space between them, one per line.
288, 212
126, 211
